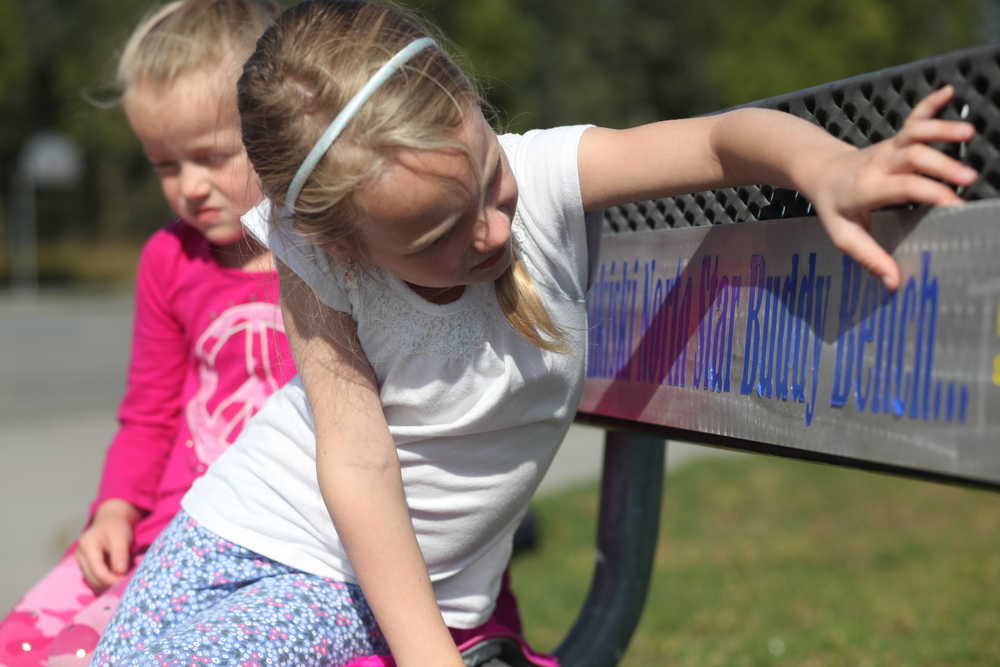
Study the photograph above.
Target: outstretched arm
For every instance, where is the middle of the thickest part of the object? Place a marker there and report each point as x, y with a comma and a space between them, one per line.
359, 477
754, 146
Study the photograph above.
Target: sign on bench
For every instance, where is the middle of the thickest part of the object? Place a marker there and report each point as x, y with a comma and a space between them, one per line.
767, 333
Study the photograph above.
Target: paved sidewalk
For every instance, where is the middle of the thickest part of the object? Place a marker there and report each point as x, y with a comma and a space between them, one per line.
62, 372
62, 353
48, 475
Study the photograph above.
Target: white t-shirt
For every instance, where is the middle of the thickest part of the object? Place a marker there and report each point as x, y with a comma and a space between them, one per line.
476, 411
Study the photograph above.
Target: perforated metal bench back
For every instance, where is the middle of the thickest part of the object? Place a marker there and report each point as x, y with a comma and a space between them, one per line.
861, 110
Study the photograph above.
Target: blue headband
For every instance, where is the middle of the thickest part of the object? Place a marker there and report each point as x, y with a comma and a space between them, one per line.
323, 144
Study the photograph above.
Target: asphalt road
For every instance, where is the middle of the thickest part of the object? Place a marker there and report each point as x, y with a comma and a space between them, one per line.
62, 371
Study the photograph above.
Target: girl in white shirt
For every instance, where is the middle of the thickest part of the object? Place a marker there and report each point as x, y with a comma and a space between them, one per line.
434, 280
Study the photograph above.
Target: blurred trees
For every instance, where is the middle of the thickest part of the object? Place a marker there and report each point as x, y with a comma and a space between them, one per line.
787, 46
56, 59
542, 63
620, 62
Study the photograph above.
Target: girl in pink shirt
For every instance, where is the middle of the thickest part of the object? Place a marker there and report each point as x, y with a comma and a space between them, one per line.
208, 345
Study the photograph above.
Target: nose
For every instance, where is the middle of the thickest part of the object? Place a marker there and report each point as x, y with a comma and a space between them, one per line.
194, 182
492, 231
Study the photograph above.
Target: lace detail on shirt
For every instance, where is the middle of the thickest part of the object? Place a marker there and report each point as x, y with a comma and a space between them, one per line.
394, 326
517, 235
350, 274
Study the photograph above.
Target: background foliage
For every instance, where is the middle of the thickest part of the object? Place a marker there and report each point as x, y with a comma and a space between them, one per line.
610, 62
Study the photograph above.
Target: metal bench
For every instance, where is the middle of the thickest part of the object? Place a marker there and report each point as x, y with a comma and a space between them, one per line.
764, 338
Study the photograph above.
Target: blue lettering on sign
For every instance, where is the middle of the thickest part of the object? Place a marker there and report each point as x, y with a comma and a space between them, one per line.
718, 298
706, 295
664, 320
883, 361
612, 302
901, 326
850, 284
784, 315
753, 337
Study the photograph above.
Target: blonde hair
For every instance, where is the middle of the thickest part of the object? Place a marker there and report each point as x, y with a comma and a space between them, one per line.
189, 35
306, 67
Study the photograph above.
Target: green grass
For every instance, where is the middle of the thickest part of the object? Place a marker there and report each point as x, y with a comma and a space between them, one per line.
765, 561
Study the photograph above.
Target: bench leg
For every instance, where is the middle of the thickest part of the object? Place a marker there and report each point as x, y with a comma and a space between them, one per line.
627, 532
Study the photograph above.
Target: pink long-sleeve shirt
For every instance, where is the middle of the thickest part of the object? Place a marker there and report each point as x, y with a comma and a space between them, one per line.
208, 347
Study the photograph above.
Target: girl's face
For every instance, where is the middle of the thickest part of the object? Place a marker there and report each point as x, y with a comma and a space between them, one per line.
429, 222
191, 134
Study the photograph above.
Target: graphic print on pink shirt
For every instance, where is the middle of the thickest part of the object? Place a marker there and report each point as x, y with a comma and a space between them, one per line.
242, 334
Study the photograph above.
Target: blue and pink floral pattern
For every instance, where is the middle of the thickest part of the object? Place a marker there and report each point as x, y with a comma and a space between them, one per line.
197, 599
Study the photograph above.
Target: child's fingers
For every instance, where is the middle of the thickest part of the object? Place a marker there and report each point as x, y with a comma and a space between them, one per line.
118, 552
104, 576
934, 129
99, 561
95, 572
913, 188
932, 104
930, 162
85, 569
855, 242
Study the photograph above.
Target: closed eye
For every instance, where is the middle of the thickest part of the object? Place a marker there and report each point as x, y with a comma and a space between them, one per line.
215, 159
165, 168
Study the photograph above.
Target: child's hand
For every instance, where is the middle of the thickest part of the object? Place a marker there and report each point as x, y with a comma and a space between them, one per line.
103, 550
893, 171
